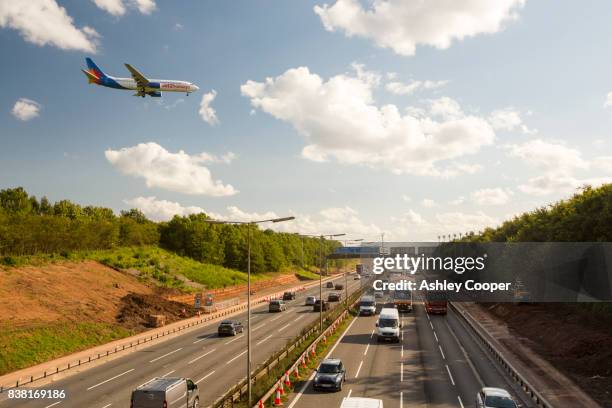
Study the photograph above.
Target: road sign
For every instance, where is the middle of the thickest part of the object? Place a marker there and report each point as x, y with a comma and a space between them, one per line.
198, 301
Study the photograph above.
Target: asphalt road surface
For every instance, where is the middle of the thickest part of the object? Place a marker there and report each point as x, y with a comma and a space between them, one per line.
437, 363
214, 363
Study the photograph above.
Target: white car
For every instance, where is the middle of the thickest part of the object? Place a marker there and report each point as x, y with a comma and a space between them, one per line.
310, 300
490, 397
357, 277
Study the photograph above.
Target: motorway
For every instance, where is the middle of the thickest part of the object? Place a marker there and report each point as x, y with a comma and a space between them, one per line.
438, 363
214, 363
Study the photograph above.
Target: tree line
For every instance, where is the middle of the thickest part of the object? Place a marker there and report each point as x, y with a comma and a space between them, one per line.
585, 217
29, 226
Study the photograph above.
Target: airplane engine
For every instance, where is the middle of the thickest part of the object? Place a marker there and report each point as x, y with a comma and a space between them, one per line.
155, 94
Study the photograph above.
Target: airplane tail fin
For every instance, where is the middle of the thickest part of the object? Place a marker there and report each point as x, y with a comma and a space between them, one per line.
92, 79
93, 69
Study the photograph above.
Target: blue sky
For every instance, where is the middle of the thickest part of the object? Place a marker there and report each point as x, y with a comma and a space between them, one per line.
419, 125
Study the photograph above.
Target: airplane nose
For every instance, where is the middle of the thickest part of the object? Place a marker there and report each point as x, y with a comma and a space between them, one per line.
195, 87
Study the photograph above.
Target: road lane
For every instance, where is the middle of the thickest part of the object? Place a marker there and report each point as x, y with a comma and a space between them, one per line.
176, 354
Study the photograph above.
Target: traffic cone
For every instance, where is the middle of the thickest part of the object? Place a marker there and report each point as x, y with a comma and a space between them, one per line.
312, 350
261, 404
304, 360
277, 398
324, 339
282, 389
296, 372
287, 380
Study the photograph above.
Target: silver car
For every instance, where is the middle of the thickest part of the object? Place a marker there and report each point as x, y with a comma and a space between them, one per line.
166, 392
491, 397
310, 300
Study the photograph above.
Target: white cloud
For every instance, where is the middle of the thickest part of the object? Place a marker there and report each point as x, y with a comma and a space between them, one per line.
458, 222
161, 210
179, 172
119, 7
508, 119
25, 109
446, 108
402, 25
549, 156
339, 119
603, 163
410, 218
608, 101
400, 88
491, 196
178, 26
208, 114
428, 203
406, 198
44, 22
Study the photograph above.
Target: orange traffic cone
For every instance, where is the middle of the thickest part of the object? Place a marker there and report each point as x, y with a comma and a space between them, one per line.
287, 380
261, 404
277, 398
312, 350
296, 372
282, 389
304, 357
324, 339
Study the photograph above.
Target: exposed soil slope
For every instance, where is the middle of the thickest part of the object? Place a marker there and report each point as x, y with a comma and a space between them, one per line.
575, 341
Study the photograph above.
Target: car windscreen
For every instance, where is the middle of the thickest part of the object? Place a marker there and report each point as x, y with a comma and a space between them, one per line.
499, 402
367, 303
329, 369
436, 296
402, 295
387, 323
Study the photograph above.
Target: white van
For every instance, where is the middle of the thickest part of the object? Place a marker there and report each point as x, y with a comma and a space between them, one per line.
367, 305
166, 392
388, 325
353, 402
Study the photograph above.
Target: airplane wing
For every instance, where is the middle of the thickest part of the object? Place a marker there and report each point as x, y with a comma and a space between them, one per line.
138, 77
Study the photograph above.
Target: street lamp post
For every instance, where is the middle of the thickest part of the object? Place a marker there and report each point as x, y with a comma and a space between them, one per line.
249, 224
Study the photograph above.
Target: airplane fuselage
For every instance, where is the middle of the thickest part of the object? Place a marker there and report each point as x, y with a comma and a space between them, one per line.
154, 85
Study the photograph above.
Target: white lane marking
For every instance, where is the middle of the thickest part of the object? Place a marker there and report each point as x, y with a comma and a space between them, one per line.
465, 354
436, 336
261, 341
110, 379
401, 372
402, 352
460, 402
449, 374
366, 350
441, 352
206, 376
401, 399
203, 355
165, 355
307, 383
298, 318
258, 327
106, 406
358, 369
372, 335
55, 403
277, 317
234, 339
241, 354
168, 373
203, 338
431, 325
284, 327
428, 318
349, 393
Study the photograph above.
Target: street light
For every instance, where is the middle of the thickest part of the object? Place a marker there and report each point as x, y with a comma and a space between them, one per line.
321, 236
346, 242
248, 224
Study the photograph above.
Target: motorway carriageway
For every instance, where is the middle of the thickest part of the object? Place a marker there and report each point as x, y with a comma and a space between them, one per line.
214, 363
438, 363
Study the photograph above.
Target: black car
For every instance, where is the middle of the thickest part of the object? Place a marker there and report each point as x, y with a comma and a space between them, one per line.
317, 306
289, 296
339, 286
330, 375
230, 328
329, 284
333, 297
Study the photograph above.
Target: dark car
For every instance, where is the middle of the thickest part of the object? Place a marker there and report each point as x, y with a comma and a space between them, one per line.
277, 306
329, 284
289, 296
317, 306
333, 297
339, 286
330, 375
230, 328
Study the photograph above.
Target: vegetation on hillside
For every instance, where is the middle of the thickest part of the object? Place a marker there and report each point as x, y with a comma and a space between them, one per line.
585, 217
31, 226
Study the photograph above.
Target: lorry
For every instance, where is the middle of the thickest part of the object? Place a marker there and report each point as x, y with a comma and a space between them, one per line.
402, 299
436, 302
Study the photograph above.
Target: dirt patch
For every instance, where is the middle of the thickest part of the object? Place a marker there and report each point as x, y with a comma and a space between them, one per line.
576, 342
137, 308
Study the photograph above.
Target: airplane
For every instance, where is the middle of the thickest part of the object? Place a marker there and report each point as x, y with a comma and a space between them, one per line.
138, 82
